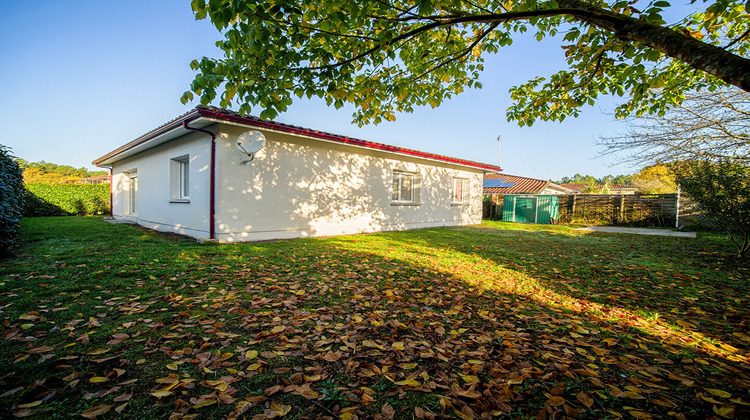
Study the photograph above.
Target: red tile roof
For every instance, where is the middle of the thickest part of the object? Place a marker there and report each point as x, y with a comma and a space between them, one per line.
522, 185
231, 116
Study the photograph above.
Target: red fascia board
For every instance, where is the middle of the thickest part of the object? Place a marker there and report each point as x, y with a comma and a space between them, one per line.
341, 139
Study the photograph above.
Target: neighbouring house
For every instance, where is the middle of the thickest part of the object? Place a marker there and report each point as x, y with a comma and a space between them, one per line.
190, 176
512, 184
520, 199
613, 188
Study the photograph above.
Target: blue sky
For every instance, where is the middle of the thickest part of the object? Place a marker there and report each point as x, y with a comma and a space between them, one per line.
79, 79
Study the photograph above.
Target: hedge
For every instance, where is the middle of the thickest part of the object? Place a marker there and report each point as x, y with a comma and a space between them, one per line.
66, 199
11, 201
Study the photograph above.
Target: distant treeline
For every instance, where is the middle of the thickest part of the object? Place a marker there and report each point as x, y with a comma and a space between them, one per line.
653, 179
51, 173
624, 180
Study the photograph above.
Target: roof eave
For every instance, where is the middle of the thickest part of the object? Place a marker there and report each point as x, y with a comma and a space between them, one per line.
204, 116
146, 141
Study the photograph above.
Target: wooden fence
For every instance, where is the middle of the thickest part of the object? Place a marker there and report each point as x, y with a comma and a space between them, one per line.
611, 209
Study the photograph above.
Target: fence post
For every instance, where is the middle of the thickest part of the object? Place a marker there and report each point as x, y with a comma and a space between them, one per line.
677, 209
622, 208
573, 209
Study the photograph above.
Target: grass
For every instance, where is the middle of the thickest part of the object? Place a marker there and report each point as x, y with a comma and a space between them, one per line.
499, 319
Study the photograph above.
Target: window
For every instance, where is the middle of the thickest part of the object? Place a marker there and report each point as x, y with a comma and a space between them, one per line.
405, 188
179, 172
460, 190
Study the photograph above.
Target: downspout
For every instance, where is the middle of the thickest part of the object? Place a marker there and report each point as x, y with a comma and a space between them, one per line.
212, 183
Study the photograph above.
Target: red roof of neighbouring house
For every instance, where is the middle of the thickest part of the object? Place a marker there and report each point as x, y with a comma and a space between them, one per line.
519, 185
231, 116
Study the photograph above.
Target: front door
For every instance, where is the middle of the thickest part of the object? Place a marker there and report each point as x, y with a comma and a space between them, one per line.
526, 210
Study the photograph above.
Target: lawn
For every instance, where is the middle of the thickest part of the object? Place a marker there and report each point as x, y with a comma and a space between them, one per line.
473, 322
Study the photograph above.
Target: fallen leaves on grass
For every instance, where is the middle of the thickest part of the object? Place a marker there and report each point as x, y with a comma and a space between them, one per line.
390, 327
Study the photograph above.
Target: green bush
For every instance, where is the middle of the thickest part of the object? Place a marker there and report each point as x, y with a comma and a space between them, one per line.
11, 200
722, 191
66, 199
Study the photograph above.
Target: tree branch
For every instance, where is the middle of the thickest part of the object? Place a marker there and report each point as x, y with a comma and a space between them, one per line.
738, 39
458, 54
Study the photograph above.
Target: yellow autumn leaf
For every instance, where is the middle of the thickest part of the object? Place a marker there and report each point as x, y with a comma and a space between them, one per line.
254, 366
30, 405
172, 366
726, 411
407, 366
279, 408
641, 415
407, 382
204, 404
718, 392
251, 354
207, 370
98, 379
161, 394
398, 345
684, 324
277, 329
470, 379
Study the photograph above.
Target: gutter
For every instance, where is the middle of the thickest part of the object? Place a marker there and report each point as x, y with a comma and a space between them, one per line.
212, 183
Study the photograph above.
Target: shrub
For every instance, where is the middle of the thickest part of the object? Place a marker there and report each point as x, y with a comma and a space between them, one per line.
11, 200
722, 191
66, 199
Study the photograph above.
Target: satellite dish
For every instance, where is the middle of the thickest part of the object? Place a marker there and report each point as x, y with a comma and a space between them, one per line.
248, 143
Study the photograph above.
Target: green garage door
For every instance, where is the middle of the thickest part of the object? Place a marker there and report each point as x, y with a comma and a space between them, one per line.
526, 209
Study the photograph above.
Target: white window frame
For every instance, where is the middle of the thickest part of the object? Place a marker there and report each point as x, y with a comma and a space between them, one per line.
463, 190
184, 179
397, 196
179, 173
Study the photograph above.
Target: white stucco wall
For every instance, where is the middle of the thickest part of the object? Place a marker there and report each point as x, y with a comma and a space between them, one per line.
298, 187
155, 208
295, 187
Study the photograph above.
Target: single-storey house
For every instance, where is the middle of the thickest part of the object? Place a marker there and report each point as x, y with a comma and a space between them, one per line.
512, 184
212, 173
